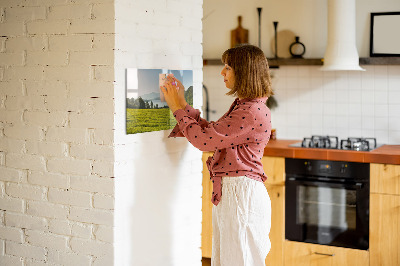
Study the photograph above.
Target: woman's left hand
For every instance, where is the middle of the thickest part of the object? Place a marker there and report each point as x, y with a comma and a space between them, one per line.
171, 94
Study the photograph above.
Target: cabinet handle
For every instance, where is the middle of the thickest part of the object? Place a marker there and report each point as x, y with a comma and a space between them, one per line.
325, 254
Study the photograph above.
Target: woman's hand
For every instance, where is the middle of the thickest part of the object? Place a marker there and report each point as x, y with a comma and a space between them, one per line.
172, 94
181, 92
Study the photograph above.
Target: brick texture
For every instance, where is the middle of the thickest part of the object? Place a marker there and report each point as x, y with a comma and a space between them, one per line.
56, 125
62, 97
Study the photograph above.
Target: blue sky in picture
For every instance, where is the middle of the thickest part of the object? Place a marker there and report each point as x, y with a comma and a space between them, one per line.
145, 82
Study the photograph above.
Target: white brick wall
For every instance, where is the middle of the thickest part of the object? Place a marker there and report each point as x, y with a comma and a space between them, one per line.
56, 132
59, 75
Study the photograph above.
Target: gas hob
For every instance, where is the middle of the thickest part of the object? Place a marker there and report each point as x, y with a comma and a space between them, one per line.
332, 142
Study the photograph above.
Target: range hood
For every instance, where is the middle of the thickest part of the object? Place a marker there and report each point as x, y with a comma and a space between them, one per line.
341, 51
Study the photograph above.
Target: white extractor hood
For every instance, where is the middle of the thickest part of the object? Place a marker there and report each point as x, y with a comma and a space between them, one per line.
341, 51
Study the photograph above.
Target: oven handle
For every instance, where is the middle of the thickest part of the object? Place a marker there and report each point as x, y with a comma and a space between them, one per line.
324, 254
357, 185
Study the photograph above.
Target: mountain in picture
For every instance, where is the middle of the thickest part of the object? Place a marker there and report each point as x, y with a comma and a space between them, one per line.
146, 111
153, 96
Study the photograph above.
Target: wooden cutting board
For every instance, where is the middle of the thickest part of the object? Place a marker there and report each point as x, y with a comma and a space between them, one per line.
239, 35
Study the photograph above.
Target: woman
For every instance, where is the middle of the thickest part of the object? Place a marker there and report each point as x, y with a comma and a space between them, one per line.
242, 208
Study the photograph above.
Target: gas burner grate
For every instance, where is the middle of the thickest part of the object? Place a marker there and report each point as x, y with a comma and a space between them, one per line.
332, 142
327, 142
358, 144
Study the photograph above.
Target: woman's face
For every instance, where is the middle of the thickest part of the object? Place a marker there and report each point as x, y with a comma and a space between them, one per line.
229, 76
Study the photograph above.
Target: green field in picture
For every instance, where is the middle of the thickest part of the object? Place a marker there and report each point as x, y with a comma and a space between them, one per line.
147, 120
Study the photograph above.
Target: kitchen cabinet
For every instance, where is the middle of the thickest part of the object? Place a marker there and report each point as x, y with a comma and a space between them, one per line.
305, 254
385, 178
274, 168
385, 214
384, 247
277, 233
206, 225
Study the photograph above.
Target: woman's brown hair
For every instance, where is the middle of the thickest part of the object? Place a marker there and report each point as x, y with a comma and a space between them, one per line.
250, 66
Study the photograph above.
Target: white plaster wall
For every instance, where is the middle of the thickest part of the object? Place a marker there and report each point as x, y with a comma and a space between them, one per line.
56, 132
305, 18
158, 180
344, 103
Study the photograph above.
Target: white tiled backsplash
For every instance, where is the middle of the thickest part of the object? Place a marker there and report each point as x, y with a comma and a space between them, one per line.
314, 102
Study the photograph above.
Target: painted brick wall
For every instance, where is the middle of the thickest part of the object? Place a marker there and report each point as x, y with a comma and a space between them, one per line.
56, 132
158, 180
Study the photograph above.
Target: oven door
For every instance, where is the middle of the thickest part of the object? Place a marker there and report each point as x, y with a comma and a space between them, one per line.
327, 213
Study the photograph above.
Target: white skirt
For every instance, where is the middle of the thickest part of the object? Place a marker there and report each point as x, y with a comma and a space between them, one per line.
241, 223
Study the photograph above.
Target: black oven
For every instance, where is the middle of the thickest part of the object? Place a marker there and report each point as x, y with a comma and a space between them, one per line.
327, 202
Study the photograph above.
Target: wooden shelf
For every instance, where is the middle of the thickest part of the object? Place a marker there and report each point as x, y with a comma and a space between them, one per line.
380, 61
274, 63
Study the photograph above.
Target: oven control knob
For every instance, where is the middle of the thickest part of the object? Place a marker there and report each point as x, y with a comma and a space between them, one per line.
343, 168
308, 166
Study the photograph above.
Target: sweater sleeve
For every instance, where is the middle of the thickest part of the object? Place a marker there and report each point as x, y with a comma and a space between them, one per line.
193, 113
229, 131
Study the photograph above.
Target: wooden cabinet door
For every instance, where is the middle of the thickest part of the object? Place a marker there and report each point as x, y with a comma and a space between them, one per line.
305, 254
274, 168
277, 233
206, 225
385, 178
384, 236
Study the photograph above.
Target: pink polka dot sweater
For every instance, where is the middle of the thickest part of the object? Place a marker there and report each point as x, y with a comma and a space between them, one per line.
238, 139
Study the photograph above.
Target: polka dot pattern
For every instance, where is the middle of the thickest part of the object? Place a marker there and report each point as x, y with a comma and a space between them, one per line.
238, 139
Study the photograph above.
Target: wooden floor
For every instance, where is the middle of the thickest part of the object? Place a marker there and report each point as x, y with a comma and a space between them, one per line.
206, 261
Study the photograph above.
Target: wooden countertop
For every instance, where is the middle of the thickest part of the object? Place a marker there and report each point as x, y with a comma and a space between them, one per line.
389, 154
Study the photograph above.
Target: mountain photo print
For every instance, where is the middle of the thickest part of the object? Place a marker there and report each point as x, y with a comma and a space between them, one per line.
146, 109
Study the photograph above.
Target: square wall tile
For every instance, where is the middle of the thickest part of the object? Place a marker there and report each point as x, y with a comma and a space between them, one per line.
367, 110
342, 122
394, 97
304, 72
382, 123
367, 96
355, 122
291, 71
394, 137
380, 71
381, 84
394, 123
381, 97
342, 96
381, 110
342, 109
368, 122
355, 96
394, 110
393, 70
355, 132
382, 136
394, 83
355, 109
329, 109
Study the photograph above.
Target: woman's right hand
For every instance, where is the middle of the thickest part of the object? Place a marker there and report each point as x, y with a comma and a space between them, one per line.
181, 92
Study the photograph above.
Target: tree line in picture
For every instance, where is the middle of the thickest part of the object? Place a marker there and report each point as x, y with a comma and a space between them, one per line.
139, 103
